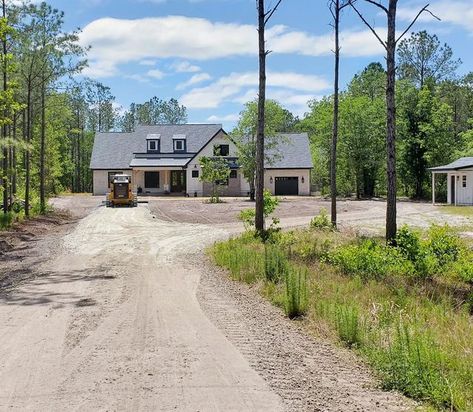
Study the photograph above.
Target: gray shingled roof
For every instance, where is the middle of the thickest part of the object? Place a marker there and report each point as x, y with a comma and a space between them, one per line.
462, 163
293, 152
163, 162
115, 150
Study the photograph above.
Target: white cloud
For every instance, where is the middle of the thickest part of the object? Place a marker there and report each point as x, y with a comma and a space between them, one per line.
225, 118
195, 79
455, 12
148, 62
229, 87
185, 67
117, 41
156, 74
137, 77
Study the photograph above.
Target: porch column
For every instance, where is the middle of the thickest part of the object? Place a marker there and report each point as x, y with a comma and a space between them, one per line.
433, 188
456, 188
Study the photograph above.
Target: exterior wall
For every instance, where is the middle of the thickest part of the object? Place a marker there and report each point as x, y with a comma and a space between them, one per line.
195, 186
233, 188
464, 195
304, 188
100, 180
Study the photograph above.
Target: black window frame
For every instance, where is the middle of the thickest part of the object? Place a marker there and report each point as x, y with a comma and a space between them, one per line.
219, 152
195, 174
464, 180
157, 143
156, 173
183, 141
233, 174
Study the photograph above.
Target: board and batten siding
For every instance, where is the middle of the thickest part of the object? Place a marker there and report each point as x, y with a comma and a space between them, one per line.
464, 195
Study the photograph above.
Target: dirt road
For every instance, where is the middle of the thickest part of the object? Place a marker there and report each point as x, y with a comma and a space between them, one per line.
113, 322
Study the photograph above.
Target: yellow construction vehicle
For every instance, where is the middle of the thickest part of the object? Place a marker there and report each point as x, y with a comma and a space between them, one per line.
121, 193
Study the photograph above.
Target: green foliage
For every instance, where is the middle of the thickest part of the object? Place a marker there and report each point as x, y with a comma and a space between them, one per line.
296, 292
347, 325
270, 203
278, 120
417, 336
321, 221
215, 170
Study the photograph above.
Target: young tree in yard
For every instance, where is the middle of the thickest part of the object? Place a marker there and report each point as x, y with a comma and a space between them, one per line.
390, 44
215, 170
422, 57
277, 120
263, 17
335, 6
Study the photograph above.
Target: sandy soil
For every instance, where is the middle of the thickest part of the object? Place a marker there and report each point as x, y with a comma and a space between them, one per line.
120, 313
366, 215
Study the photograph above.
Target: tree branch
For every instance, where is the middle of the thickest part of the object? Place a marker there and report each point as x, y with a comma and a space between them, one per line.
383, 43
424, 9
375, 3
270, 12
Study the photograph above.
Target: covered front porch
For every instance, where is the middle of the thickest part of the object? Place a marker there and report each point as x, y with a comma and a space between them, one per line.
459, 181
159, 181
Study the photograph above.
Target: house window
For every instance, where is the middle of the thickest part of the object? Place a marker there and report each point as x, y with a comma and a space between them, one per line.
464, 181
153, 145
195, 173
221, 150
151, 180
179, 145
233, 174
110, 177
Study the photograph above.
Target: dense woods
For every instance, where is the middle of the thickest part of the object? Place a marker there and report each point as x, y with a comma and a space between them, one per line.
50, 112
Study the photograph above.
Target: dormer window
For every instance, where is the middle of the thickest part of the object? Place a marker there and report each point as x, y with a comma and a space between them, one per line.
153, 141
179, 143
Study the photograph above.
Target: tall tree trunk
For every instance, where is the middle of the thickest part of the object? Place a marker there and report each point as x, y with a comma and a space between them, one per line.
5, 116
42, 189
259, 217
27, 151
391, 225
333, 157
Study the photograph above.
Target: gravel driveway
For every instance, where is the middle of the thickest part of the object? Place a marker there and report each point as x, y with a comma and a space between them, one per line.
123, 314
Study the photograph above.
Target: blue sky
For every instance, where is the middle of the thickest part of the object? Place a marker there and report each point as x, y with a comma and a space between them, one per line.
203, 52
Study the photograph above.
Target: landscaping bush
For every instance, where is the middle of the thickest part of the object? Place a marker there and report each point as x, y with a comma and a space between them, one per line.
321, 221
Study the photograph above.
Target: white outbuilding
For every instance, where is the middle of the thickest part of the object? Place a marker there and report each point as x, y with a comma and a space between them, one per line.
459, 181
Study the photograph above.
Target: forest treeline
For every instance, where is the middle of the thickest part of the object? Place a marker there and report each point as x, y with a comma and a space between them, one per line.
50, 112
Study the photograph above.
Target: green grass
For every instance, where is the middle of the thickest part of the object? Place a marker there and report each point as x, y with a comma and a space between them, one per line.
406, 320
466, 211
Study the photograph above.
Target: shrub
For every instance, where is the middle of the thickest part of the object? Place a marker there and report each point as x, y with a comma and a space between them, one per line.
296, 292
321, 221
444, 243
6, 219
370, 260
276, 264
347, 325
270, 203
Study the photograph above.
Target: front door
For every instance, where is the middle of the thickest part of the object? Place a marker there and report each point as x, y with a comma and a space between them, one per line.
452, 191
178, 181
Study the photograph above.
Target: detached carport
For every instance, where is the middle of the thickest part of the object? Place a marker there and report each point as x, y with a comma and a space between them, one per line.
459, 181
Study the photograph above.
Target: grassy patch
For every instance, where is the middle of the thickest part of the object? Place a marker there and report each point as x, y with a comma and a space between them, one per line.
466, 211
406, 310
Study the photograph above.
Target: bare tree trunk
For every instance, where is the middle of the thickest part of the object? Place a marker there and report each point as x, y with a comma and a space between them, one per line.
333, 154
5, 116
27, 151
259, 215
391, 226
42, 189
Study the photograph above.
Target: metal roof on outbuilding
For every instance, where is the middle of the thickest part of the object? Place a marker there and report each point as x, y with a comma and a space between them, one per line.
462, 163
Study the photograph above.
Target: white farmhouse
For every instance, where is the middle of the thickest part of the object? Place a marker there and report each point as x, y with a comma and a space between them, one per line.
164, 159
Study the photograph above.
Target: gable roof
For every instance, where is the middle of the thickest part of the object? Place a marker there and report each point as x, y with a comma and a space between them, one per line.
292, 152
462, 163
116, 150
